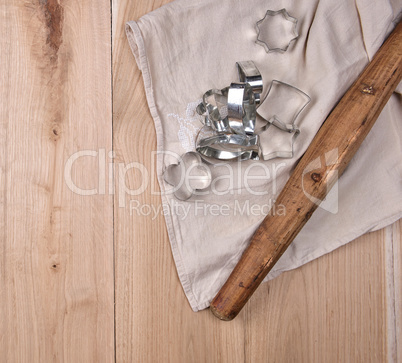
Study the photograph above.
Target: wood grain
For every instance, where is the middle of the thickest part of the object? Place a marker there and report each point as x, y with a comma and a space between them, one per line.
331, 310
394, 298
56, 246
397, 252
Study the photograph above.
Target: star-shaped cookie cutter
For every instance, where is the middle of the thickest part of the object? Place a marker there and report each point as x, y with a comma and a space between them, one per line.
276, 31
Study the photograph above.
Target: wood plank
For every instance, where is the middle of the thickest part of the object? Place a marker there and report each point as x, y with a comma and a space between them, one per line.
56, 245
154, 321
331, 310
397, 270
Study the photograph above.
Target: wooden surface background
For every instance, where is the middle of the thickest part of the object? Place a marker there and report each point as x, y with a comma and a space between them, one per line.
82, 280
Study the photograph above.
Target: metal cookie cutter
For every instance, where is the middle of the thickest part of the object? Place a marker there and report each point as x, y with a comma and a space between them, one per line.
249, 73
230, 147
280, 108
276, 31
283, 104
188, 176
214, 109
241, 108
235, 137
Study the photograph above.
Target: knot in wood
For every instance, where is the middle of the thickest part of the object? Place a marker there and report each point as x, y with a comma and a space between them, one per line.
316, 177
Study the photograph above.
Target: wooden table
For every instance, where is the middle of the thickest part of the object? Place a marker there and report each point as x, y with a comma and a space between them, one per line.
82, 280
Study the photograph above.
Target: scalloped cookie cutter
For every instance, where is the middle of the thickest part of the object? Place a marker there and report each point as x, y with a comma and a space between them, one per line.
276, 31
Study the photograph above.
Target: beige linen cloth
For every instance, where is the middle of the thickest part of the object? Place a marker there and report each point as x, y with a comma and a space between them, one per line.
190, 46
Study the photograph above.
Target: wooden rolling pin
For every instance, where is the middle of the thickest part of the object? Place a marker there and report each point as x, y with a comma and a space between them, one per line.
333, 147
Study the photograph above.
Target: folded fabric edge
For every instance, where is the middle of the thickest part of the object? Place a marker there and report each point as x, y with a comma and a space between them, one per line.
337, 244
136, 42
322, 252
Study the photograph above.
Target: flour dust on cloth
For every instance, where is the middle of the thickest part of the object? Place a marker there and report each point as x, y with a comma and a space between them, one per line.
190, 46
